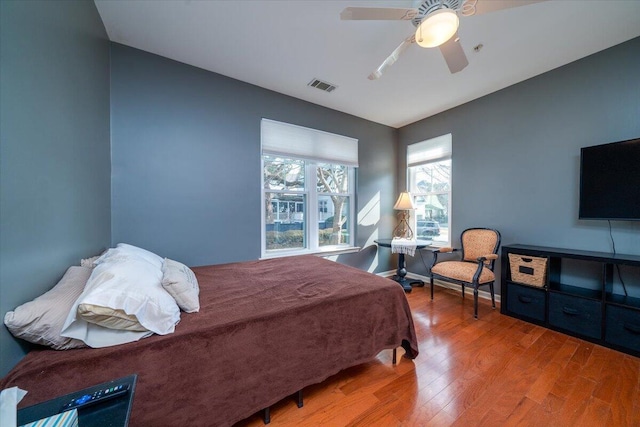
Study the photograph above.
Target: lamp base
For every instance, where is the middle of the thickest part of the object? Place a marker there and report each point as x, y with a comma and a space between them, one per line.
403, 230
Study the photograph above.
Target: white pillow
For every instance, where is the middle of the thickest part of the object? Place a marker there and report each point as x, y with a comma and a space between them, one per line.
40, 321
181, 283
142, 253
124, 251
131, 285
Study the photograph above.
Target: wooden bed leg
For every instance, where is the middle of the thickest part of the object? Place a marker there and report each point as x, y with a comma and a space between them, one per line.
266, 416
395, 351
300, 402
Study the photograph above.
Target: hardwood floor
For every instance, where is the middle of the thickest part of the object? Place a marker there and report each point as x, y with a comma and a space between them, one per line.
494, 371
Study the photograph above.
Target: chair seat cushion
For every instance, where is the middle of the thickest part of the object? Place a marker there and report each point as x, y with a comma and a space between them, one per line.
463, 271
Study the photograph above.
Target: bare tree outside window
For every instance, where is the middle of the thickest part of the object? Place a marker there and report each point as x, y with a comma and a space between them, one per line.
334, 180
286, 195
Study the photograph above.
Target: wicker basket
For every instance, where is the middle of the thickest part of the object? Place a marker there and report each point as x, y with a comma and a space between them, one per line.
529, 270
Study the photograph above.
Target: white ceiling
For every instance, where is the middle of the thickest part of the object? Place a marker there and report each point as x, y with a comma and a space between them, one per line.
283, 45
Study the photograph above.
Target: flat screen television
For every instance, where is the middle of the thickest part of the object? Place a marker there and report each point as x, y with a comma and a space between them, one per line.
610, 181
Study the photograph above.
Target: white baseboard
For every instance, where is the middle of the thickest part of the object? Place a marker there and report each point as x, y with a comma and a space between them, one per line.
467, 290
386, 273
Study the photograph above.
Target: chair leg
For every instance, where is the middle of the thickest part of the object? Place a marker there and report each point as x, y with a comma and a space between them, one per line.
493, 296
463, 291
475, 302
431, 282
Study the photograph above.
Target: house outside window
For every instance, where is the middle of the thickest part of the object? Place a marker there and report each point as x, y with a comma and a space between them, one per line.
298, 175
429, 182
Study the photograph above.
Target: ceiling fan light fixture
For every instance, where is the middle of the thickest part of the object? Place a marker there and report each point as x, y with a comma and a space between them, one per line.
437, 28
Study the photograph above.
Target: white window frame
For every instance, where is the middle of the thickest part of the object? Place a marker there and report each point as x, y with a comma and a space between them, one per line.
432, 150
319, 147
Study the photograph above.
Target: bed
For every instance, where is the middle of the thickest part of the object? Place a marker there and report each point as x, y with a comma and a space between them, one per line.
265, 330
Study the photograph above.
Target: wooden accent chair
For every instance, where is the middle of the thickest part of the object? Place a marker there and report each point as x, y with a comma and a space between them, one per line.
479, 253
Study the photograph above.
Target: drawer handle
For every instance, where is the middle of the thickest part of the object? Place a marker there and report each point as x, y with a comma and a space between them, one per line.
526, 300
634, 329
570, 311
526, 270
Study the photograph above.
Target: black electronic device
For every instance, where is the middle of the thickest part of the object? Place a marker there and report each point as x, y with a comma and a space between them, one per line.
610, 181
103, 405
97, 396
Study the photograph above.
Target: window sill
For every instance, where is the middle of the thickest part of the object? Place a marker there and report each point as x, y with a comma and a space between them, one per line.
327, 252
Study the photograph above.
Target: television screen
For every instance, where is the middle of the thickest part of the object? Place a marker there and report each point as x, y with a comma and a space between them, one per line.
610, 181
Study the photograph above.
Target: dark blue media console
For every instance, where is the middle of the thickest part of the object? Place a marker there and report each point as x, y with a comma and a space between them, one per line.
592, 304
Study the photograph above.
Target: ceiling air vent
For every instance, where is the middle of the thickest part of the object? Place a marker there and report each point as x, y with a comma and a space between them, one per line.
319, 84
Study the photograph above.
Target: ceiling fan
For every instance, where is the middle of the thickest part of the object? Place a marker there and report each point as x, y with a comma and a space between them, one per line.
436, 23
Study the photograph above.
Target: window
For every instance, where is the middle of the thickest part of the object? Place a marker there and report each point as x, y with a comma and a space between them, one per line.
429, 181
308, 190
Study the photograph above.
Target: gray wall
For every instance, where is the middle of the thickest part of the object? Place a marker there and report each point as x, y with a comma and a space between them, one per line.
54, 155
186, 161
516, 152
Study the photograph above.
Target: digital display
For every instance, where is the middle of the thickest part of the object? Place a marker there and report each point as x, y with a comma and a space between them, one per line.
610, 181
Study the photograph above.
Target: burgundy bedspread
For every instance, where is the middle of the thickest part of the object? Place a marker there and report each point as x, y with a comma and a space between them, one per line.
265, 330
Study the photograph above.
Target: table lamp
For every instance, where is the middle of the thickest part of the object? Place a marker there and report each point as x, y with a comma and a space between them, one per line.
404, 205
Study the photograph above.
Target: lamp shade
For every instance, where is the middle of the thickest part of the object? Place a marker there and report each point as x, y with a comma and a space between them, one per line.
437, 28
405, 202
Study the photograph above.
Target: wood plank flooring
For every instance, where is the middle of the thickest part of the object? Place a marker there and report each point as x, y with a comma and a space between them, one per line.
495, 371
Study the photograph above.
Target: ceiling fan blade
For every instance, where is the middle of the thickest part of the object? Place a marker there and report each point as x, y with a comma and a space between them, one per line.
377, 14
454, 55
478, 7
391, 59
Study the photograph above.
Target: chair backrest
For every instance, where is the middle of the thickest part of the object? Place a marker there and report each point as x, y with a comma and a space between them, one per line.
477, 242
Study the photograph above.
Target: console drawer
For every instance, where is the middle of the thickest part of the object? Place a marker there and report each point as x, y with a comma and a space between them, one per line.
526, 301
623, 327
580, 315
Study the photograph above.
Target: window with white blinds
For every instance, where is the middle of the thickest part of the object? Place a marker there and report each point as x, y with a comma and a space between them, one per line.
283, 139
429, 181
308, 186
429, 151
